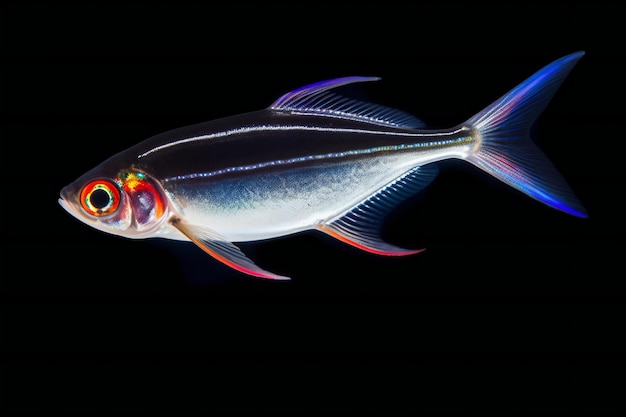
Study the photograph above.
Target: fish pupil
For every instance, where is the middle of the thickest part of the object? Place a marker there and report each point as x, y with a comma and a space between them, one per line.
99, 198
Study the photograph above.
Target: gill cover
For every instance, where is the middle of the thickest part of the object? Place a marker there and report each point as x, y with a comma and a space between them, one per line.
145, 197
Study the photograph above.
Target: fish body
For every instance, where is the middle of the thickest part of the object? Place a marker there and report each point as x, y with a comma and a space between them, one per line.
296, 171
312, 160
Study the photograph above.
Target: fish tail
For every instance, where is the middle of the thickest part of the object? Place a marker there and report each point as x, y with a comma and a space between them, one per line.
504, 147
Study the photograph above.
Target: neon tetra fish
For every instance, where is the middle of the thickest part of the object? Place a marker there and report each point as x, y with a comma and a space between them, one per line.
311, 160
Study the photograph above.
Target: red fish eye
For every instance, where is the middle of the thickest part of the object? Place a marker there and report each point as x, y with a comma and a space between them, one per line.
100, 198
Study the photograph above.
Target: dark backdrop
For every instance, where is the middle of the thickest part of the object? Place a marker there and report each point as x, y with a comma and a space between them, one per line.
512, 307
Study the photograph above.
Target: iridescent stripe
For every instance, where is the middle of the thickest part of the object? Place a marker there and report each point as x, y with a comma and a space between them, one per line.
263, 128
331, 155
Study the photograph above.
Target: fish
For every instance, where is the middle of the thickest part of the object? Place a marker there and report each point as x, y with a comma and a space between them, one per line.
315, 159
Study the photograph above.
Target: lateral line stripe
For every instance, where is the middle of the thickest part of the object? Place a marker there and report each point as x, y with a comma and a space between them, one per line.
248, 129
279, 162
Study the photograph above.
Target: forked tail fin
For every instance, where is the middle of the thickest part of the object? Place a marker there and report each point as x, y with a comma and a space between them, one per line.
505, 149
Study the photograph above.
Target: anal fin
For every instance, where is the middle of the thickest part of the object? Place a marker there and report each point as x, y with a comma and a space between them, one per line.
365, 241
361, 226
222, 250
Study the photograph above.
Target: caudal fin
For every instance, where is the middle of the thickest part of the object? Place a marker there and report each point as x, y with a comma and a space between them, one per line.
505, 149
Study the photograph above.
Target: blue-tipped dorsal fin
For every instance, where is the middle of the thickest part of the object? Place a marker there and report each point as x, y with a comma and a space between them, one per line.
317, 99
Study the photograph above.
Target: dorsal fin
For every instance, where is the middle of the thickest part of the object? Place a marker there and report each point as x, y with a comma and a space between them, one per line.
317, 99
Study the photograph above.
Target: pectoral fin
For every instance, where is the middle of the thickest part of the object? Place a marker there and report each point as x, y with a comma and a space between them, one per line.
222, 250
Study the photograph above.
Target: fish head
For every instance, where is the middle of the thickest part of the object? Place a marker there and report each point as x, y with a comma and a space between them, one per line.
126, 202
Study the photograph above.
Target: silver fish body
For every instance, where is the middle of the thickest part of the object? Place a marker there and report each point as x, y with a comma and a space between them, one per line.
267, 174
312, 160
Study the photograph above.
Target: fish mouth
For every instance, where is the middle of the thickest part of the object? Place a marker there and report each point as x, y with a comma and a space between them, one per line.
69, 207
63, 199
64, 204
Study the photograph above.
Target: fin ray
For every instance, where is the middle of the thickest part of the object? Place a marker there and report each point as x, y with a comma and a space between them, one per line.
222, 250
506, 150
317, 99
360, 227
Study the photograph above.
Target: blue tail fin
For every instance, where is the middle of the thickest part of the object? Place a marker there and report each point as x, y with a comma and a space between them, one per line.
505, 149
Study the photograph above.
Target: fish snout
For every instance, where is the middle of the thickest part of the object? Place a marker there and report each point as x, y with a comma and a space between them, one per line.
65, 194
66, 201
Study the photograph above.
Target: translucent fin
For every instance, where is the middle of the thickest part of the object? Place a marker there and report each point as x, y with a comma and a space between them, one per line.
317, 99
505, 149
222, 250
360, 227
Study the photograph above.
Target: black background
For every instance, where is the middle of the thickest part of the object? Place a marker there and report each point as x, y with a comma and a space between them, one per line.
513, 307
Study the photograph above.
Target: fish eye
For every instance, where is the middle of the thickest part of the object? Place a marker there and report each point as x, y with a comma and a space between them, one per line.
100, 198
